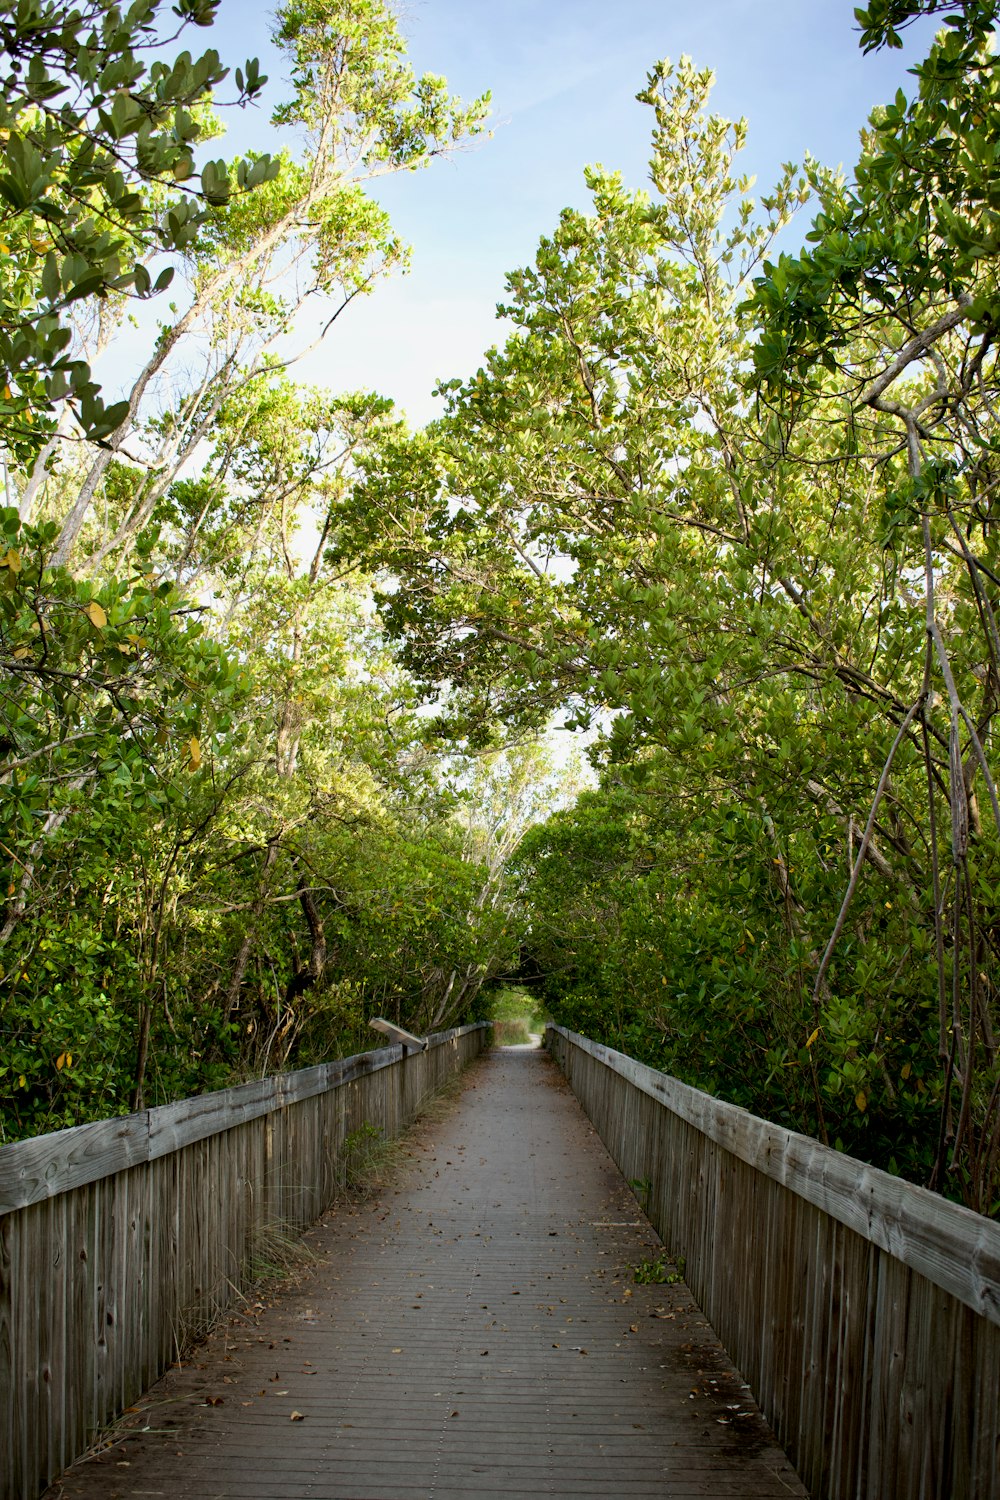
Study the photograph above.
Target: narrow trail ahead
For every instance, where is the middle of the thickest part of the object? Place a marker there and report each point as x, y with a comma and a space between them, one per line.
476, 1332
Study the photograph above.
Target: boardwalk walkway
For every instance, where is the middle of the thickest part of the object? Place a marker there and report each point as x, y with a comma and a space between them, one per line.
478, 1332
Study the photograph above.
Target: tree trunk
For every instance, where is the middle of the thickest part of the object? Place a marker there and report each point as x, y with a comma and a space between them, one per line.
250, 931
310, 974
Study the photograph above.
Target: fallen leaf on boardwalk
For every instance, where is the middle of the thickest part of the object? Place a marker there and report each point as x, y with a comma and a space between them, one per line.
397, 1351
454, 1414
215, 1401
296, 1416
633, 1328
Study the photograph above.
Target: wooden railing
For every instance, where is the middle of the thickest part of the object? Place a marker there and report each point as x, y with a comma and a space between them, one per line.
863, 1311
121, 1240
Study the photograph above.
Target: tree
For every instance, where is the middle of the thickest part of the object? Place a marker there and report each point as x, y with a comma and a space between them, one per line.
307, 235
186, 676
897, 301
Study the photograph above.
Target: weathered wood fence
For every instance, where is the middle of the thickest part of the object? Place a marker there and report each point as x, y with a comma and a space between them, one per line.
122, 1239
864, 1312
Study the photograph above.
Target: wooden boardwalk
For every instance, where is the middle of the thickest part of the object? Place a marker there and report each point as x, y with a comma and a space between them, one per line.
476, 1332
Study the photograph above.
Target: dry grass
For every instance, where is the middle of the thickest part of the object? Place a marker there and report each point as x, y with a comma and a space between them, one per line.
371, 1159
513, 1033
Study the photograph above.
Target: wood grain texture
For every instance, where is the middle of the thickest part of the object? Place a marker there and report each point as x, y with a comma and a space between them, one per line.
862, 1310
122, 1240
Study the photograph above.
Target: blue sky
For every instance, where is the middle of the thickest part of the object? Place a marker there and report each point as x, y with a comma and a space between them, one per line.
564, 74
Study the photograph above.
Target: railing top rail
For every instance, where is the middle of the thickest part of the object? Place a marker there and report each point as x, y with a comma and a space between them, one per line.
46, 1165
956, 1249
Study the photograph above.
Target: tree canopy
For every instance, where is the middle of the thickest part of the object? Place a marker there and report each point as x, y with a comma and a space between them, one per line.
275, 666
734, 506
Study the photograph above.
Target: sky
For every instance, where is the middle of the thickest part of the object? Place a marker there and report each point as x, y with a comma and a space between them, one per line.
563, 75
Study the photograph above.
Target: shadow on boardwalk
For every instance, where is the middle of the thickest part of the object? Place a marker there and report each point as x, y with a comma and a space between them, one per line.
476, 1331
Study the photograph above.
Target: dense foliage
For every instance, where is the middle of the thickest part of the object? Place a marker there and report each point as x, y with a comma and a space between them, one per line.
98, 175
737, 508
